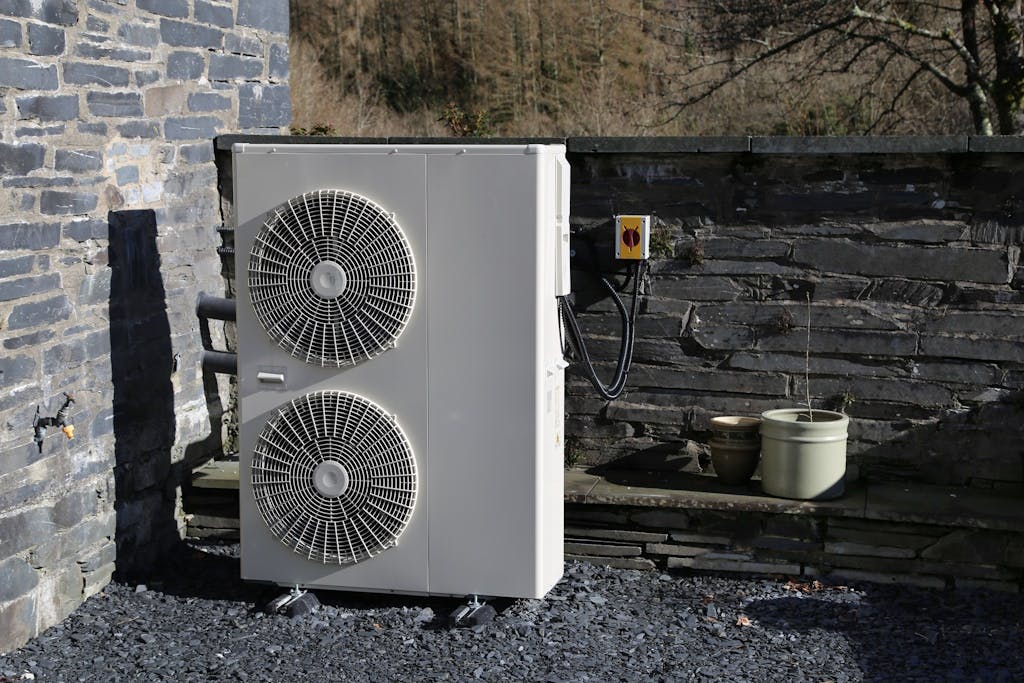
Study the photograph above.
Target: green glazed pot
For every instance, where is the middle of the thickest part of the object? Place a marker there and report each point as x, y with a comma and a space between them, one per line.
802, 459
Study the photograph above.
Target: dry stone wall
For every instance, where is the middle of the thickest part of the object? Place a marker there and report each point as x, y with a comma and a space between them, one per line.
108, 231
908, 250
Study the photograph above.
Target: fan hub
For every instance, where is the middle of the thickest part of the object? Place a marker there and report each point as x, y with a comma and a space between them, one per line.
328, 280
330, 479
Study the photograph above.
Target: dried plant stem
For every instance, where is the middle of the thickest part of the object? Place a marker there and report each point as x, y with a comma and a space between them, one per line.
807, 362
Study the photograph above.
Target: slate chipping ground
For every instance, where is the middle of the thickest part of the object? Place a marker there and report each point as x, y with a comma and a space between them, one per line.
199, 622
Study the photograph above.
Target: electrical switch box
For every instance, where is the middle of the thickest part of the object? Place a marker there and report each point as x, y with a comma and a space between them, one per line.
632, 237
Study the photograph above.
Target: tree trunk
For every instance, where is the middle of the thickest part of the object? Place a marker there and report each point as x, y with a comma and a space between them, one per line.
1008, 88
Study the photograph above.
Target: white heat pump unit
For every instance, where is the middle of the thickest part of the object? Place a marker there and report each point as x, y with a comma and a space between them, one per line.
400, 366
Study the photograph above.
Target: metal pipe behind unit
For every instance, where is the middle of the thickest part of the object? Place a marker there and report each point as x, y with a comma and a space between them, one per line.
215, 307
220, 362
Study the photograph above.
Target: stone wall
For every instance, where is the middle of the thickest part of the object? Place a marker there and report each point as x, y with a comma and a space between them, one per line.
108, 231
908, 250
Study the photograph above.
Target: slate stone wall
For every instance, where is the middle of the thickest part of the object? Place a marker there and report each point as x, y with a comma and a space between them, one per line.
108, 231
908, 250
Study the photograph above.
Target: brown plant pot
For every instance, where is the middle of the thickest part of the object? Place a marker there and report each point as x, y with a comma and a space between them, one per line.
735, 447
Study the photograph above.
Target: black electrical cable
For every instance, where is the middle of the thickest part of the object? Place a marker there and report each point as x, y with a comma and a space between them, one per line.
625, 359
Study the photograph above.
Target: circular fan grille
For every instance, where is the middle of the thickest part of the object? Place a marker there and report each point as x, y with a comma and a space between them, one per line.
334, 477
332, 278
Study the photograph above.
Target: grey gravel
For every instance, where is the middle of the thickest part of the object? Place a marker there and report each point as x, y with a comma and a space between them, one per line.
198, 622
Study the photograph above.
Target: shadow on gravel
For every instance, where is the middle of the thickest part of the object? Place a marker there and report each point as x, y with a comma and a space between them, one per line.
946, 634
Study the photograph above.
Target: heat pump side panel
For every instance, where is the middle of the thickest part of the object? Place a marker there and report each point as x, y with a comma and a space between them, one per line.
487, 385
395, 380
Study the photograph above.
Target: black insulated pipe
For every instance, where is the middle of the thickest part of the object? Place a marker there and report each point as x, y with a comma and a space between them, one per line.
215, 307
220, 362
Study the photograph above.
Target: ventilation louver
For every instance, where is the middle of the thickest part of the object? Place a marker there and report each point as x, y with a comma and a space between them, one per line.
332, 278
334, 477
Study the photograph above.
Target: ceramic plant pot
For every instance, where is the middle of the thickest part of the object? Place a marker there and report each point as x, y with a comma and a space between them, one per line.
800, 458
735, 447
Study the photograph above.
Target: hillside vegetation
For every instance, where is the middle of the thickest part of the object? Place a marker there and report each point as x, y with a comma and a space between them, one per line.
580, 67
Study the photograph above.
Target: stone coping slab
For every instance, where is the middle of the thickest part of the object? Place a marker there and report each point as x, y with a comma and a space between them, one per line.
694, 491
917, 503
792, 145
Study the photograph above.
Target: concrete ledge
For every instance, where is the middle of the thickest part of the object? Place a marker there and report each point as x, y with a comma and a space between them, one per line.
996, 143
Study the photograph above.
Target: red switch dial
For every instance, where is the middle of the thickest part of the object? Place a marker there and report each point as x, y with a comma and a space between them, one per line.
631, 237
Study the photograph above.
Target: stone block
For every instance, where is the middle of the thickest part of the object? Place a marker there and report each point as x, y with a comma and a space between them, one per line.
909, 292
15, 369
674, 550
218, 15
45, 312
618, 562
167, 8
59, 203
45, 40
208, 101
268, 15
58, 594
927, 231
847, 342
243, 45
146, 77
20, 159
615, 535
120, 54
57, 108
279, 61
725, 562
661, 519
33, 339
75, 506
17, 623
186, 34
93, 559
62, 12
185, 66
968, 264
127, 174
27, 286
10, 33
865, 550
138, 34
601, 549
972, 348
23, 529
14, 236
263, 106
707, 288
39, 131
85, 73
192, 127
199, 153
78, 161
1004, 324
879, 389
781, 545
139, 129
119, 104
94, 23
16, 266
235, 67
687, 537
971, 546
81, 230
163, 100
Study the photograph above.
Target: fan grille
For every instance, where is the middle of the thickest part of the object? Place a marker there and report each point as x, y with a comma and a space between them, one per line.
332, 278
334, 477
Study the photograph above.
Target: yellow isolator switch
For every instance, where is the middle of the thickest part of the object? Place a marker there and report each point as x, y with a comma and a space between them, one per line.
633, 237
